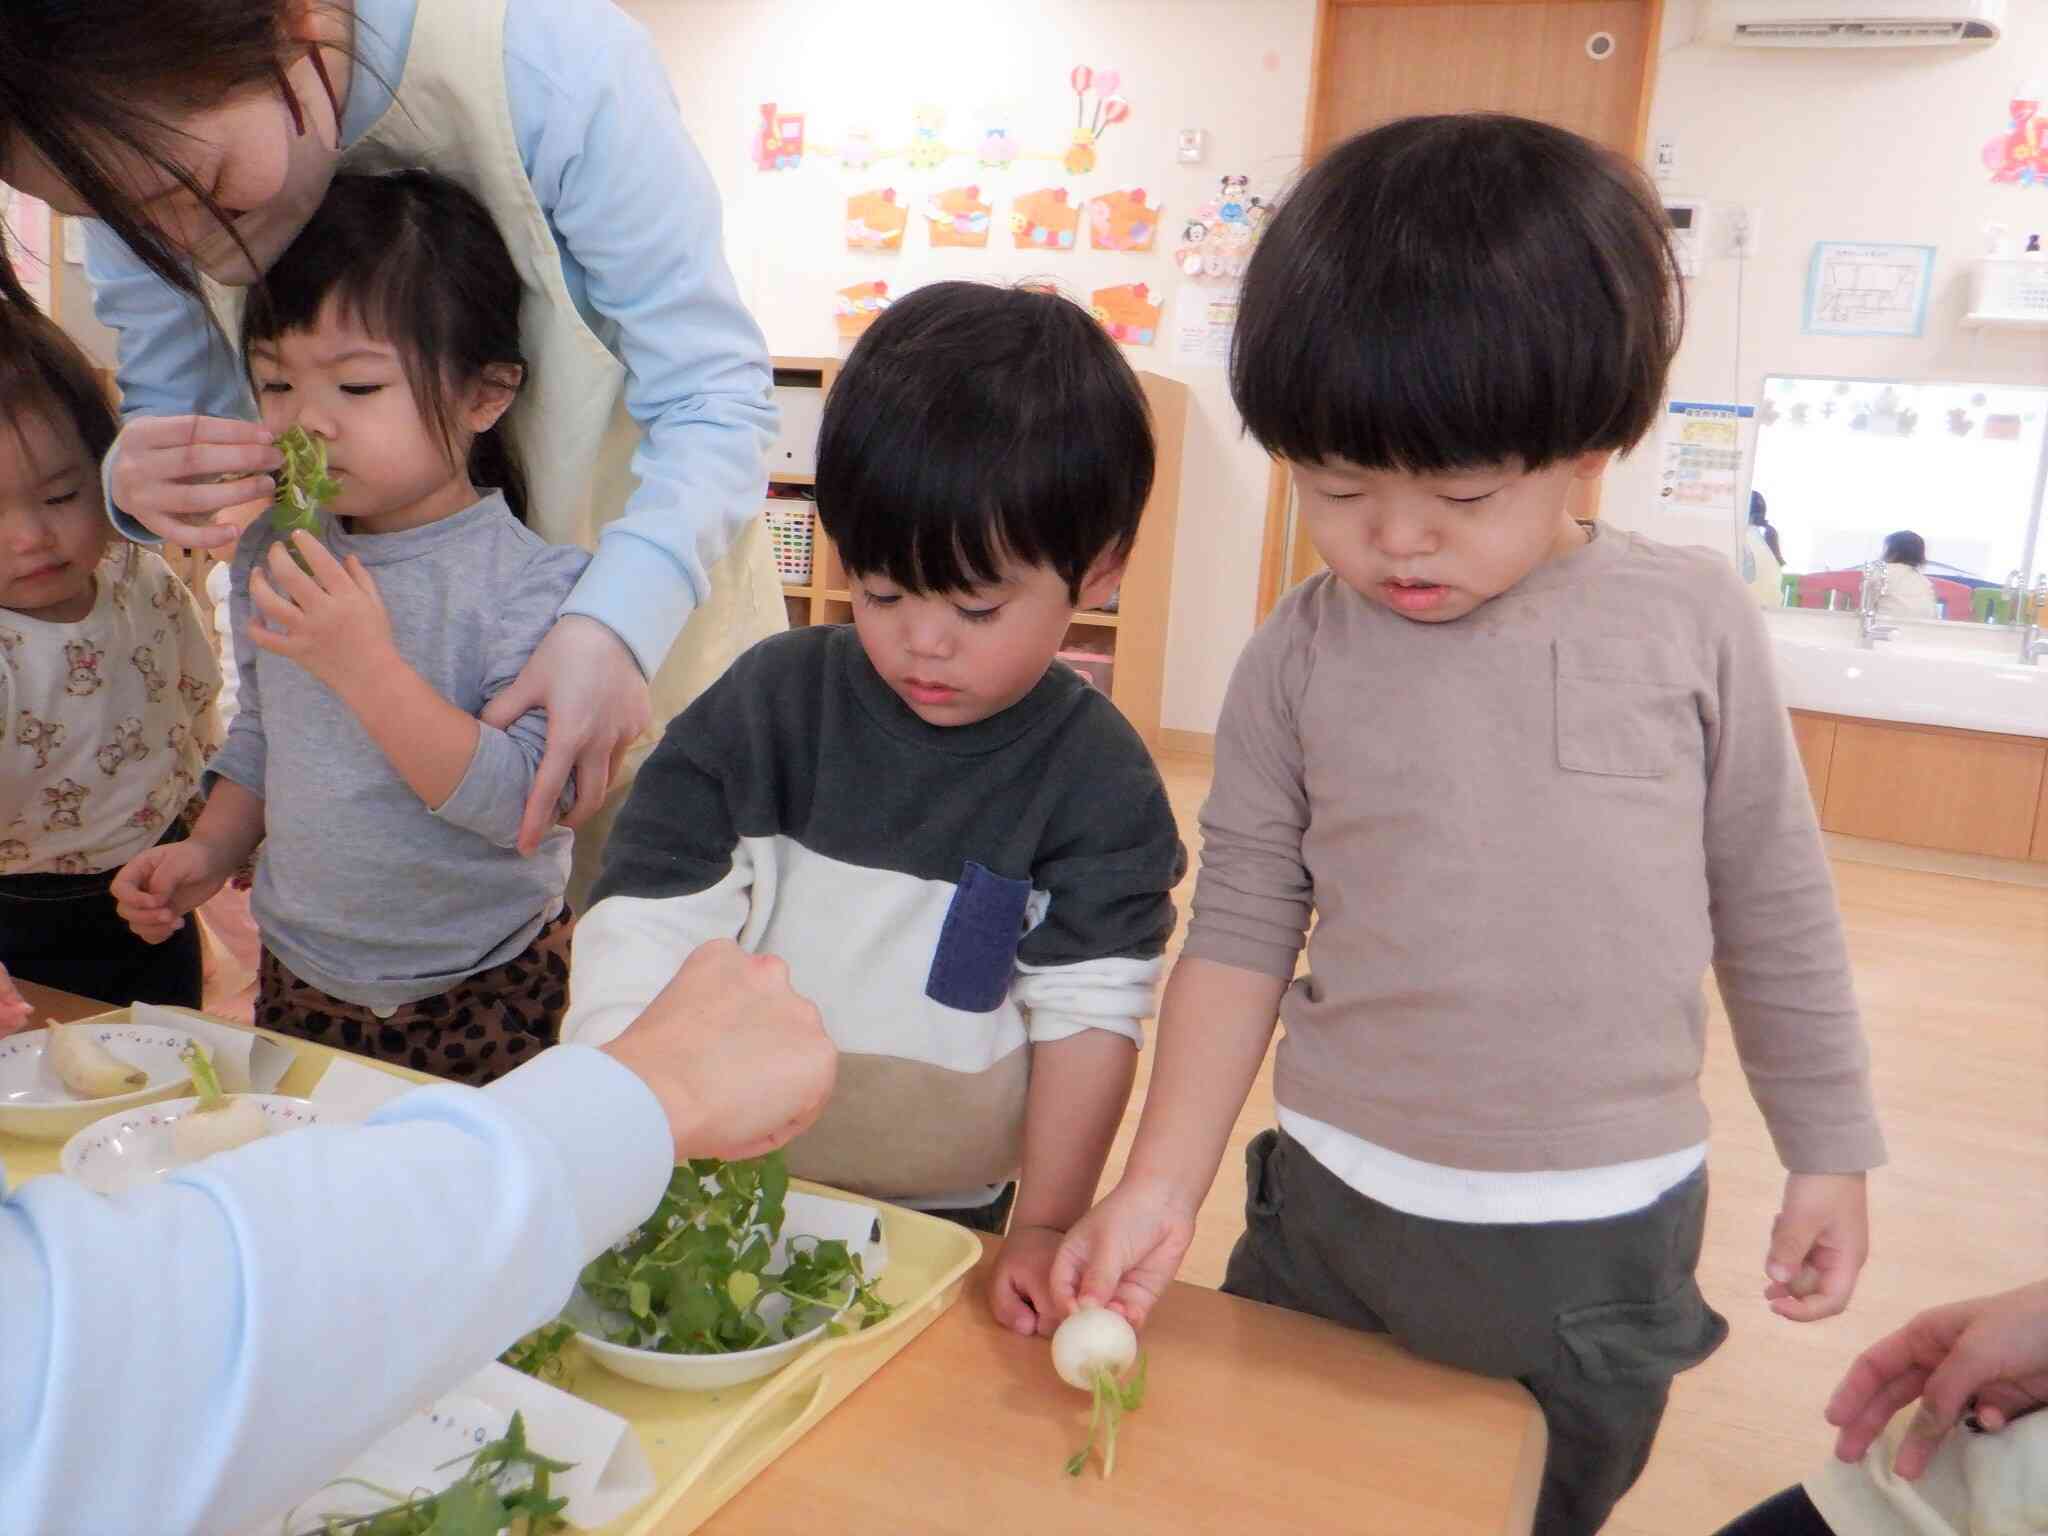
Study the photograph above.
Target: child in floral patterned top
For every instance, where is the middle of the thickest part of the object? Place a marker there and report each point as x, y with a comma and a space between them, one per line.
107, 687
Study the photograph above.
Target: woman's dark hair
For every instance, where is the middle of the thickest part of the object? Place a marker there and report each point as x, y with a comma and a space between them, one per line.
416, 261
87, 82
42, 372
976, 424
1905, 548
1445, 293
1760, 517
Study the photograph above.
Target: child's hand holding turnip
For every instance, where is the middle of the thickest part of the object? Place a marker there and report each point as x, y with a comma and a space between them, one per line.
1123, 1254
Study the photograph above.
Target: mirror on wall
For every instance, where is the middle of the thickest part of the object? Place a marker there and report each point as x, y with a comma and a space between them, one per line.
1939, 480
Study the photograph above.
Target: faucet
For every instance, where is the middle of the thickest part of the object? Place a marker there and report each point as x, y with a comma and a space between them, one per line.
2010, 597
1869, 628
2033, 644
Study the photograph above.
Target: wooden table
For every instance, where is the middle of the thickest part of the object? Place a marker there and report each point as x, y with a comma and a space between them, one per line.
1255, 1420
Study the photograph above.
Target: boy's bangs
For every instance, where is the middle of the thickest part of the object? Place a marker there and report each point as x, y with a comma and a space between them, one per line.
1447, 294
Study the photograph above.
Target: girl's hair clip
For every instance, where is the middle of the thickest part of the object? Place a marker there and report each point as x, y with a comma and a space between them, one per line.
291, 98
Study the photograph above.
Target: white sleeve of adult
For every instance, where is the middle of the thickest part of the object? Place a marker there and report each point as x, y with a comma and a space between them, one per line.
196, 1355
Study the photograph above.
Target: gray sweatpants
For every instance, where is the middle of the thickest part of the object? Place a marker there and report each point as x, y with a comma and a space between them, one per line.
1593, 1317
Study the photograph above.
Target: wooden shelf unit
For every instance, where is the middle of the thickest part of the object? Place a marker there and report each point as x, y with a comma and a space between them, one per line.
1134, 636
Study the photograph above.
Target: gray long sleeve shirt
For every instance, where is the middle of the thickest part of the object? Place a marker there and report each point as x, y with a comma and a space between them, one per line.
361, 889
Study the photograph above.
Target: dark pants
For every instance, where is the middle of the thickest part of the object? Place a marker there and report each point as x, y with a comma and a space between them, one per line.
993, 1218
1593, 1317
1791, 1513
63, 931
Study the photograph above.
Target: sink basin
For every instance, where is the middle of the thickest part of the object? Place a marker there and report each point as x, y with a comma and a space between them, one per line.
1911, 679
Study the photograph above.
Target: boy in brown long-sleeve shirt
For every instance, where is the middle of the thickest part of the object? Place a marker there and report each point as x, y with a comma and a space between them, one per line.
1530, 776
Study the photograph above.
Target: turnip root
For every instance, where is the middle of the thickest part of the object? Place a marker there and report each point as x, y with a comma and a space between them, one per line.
86, 1067
1091, 1351
219, 1122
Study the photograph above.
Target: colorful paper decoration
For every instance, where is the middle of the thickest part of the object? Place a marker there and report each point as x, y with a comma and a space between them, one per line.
958, 218
857, 305
998, 149
2019, 155
1127, 313
1122, 221
927, 145
875, 221
1045, 220
778, 139
1216, 244
857, 149
1109, 108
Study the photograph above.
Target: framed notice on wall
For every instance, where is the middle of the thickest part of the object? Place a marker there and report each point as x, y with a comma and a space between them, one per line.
1868, 290
1702, 445
25, 231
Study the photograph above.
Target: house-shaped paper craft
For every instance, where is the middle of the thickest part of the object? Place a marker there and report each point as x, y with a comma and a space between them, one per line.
875, 221
1127, 313
1122, 221
958, 217
1045, 220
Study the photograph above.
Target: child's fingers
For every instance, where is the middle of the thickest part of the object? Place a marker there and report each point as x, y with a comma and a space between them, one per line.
277, 609
1010, 1304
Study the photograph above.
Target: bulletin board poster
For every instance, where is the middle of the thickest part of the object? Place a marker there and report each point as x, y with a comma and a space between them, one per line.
1868, 290
1702, 469
25, 231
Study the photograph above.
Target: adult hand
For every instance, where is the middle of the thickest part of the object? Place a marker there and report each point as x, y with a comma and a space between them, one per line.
740, 1063
14, 1009
1993, 1350
597, 706
193, 481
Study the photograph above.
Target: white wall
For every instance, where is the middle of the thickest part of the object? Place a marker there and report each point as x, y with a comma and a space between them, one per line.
1237, 68
1880, 145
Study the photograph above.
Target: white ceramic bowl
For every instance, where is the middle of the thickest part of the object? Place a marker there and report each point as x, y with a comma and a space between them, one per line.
134, 1148
711, 1373
35, 1105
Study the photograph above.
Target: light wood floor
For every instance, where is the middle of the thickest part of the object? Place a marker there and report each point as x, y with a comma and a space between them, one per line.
1953, 977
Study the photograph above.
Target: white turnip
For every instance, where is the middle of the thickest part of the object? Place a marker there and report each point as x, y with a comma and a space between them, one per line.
1091, 1351
86, 1067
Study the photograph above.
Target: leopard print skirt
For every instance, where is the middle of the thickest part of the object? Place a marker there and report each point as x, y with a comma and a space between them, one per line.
478, 1030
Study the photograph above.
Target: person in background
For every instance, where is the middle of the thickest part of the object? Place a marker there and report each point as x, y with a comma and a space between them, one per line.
963, 850
1762, 561
308, 1291
399, 919
1908, 594
1981, 1365
1760, 520
203, 133
1529, 777
107, 685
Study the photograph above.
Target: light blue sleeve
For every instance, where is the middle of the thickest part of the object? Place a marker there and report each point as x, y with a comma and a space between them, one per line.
635, 208
199, 1354
170, 362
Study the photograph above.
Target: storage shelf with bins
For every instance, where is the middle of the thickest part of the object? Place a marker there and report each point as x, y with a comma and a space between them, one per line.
1130, 643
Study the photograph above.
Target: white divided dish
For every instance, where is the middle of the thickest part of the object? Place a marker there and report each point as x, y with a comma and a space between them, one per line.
35, 1104
1910, 678
133, 1148
804, 1215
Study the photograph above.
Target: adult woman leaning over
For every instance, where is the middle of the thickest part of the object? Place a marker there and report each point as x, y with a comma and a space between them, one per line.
203, 133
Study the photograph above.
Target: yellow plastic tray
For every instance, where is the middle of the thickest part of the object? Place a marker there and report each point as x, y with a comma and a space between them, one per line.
706, 1446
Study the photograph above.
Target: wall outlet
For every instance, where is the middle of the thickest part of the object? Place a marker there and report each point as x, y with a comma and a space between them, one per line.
1193, 146
1739, 236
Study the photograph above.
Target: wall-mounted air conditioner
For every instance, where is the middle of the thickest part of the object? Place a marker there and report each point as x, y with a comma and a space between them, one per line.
1854, 23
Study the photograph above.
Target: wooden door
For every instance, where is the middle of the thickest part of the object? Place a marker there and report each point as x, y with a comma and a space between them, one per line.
1382, 59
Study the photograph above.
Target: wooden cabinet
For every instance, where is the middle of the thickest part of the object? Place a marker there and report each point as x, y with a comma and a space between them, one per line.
1132, 639
2040, 853
1816, 737
1961, 791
